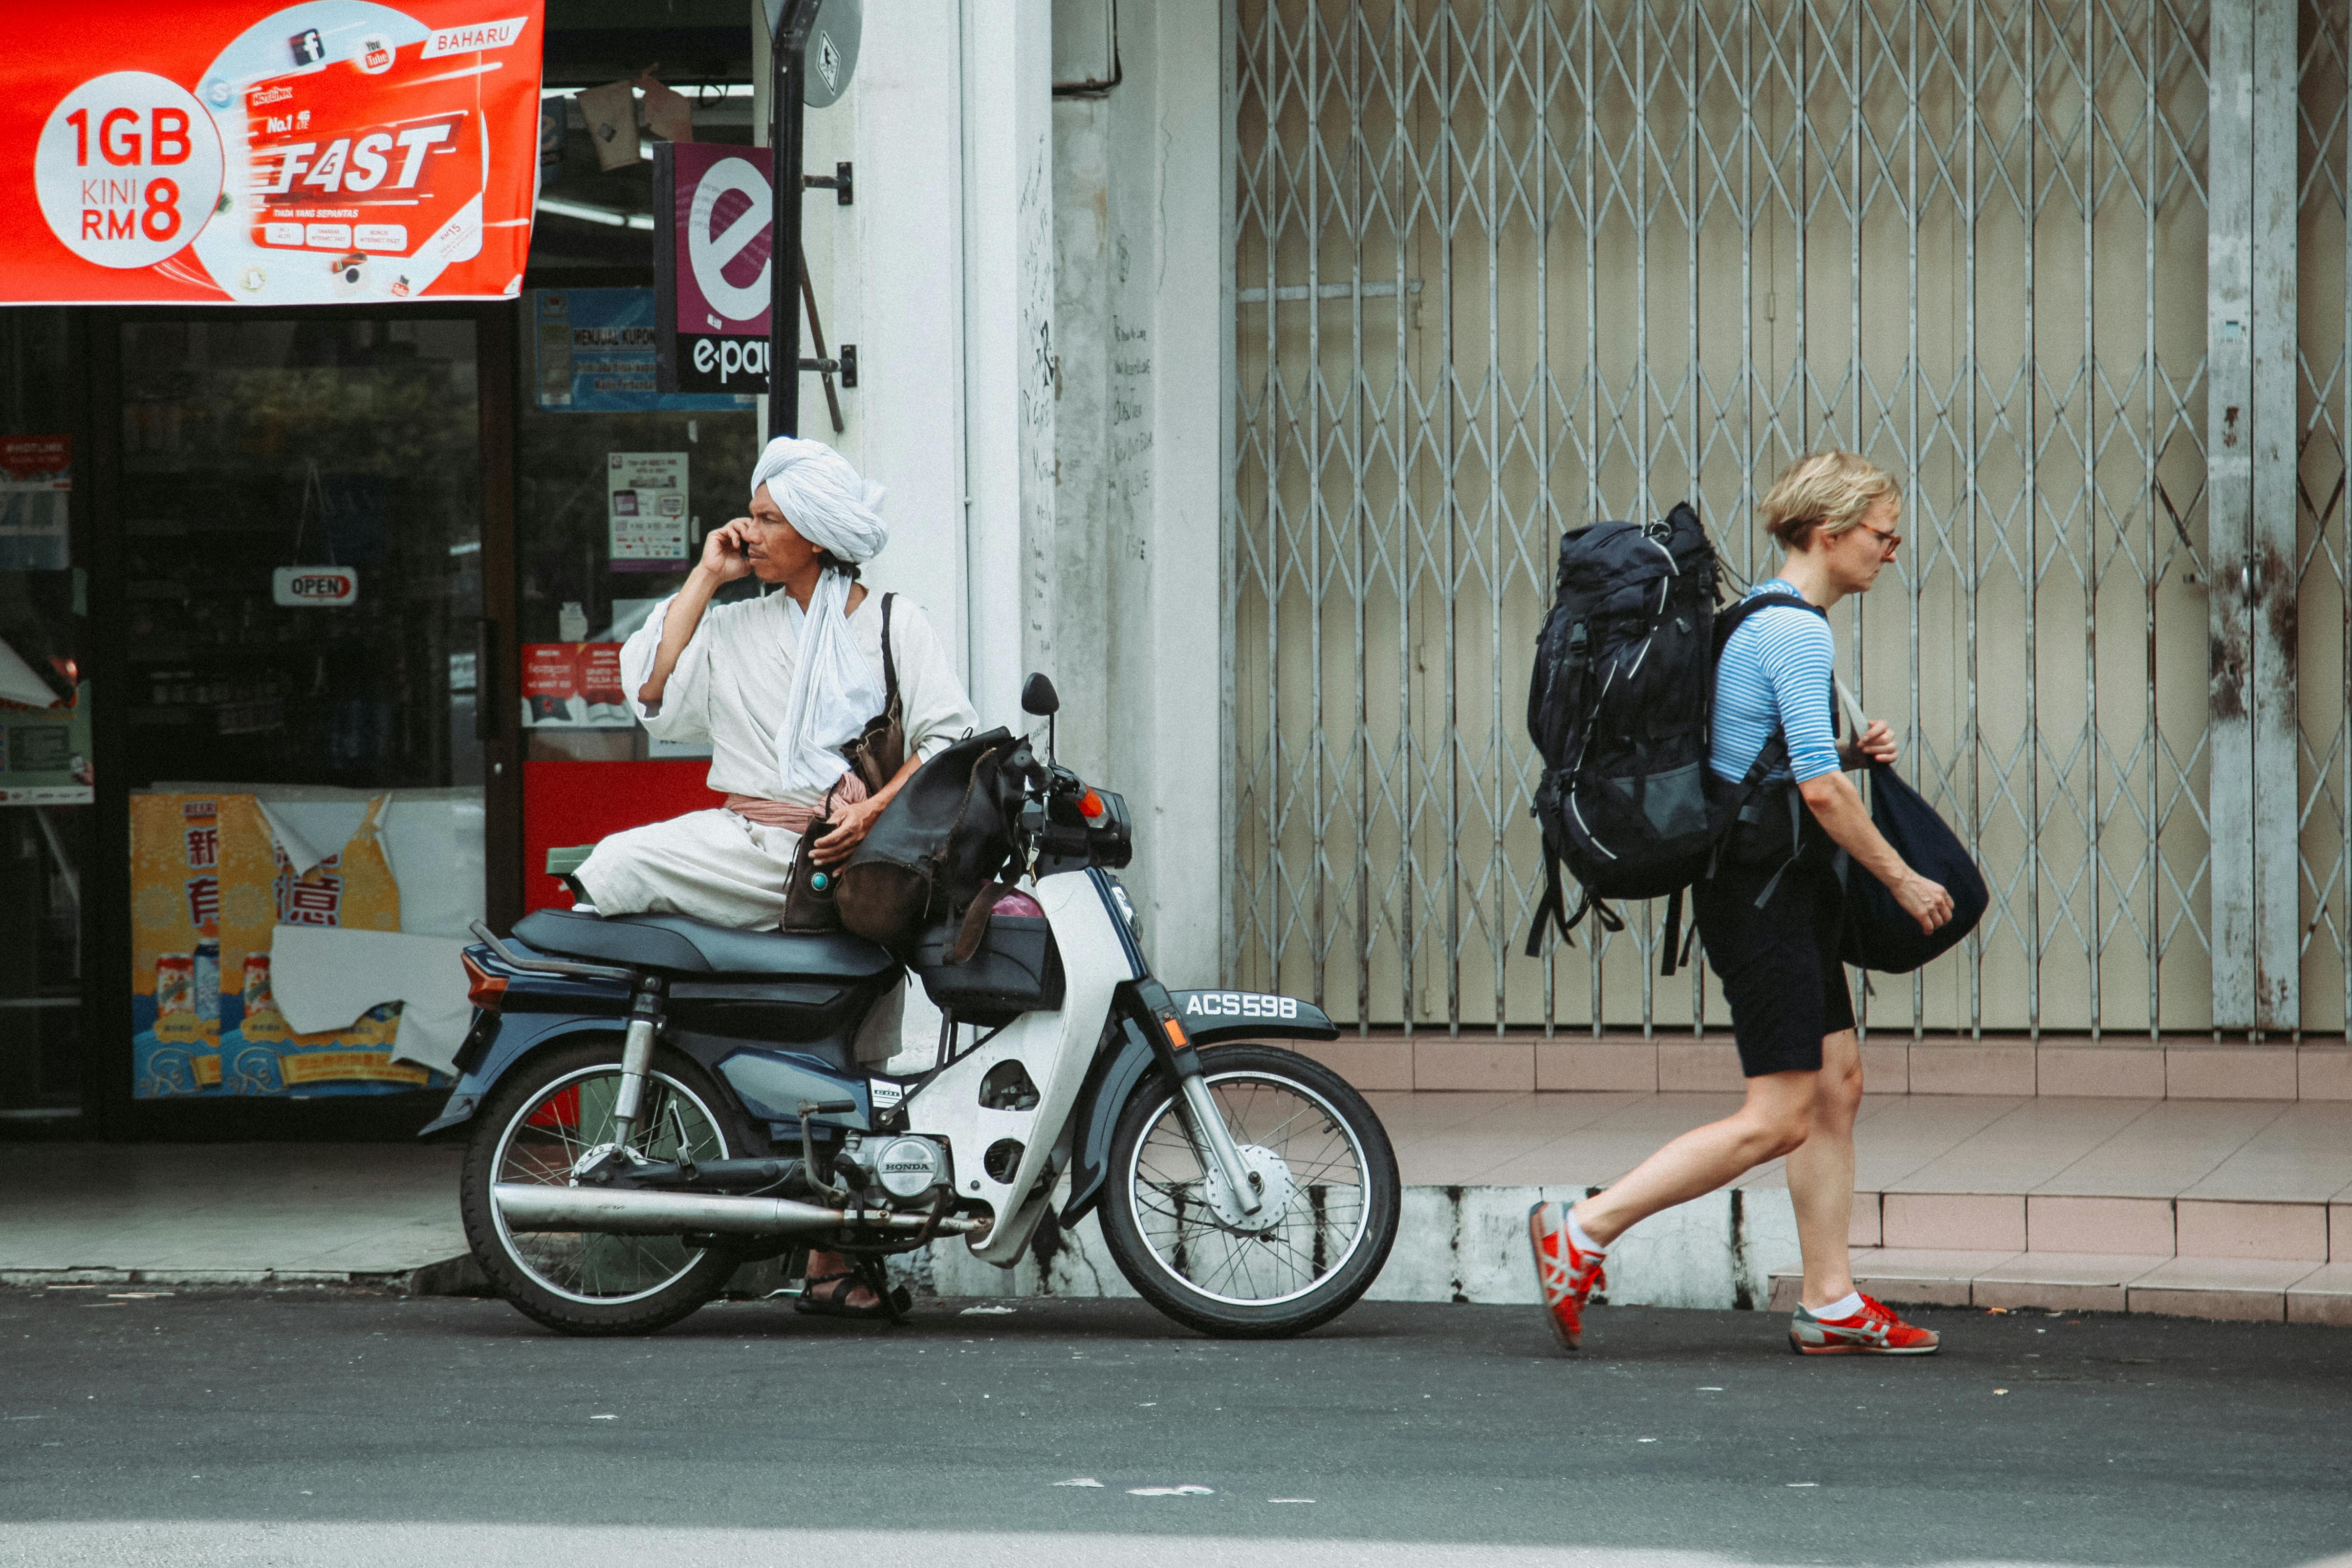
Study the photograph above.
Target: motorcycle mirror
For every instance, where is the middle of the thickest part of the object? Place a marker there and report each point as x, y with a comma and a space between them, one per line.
1038, 697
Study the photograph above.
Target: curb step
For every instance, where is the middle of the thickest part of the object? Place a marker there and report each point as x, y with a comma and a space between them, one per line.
460, 1275
1735, 1249
2226, 1289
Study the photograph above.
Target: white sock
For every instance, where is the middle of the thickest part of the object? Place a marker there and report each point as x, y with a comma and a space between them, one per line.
1846, 1306
1583, 1242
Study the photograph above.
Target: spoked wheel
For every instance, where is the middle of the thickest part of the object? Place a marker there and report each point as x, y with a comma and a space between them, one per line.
535, 1131
1324, 1175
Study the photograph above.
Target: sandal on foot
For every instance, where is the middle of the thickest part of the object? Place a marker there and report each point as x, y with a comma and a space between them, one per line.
819, 1301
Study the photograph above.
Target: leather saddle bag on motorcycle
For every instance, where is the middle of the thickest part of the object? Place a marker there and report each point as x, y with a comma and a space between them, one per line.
935, 846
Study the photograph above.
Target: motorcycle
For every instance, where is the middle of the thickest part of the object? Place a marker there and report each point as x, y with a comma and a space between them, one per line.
656, 1100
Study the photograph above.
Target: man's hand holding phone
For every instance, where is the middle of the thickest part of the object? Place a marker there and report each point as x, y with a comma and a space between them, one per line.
723, 547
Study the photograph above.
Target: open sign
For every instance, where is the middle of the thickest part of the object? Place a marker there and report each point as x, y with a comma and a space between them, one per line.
318, 586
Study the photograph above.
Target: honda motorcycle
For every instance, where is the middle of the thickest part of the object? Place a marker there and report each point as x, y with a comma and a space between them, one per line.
656, 1100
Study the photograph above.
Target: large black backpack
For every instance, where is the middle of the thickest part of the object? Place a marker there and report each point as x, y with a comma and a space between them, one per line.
1620, 705
941, 849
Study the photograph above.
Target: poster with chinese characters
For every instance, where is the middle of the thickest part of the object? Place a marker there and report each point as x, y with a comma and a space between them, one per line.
208, 886
644, 506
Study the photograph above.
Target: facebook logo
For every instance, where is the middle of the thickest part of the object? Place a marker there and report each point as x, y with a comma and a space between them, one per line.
309, 48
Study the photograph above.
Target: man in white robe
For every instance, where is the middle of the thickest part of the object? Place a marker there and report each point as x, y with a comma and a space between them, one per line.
777, 685
735, 676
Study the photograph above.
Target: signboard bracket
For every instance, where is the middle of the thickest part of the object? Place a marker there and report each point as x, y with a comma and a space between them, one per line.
839, 183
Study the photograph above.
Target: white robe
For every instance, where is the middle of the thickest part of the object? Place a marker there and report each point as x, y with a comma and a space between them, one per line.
730, 689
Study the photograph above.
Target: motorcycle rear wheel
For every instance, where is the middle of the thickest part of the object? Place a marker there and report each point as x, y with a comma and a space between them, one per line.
538, 1123
1327, 1162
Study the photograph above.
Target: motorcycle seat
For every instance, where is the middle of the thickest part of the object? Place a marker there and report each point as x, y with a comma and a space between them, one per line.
684, 945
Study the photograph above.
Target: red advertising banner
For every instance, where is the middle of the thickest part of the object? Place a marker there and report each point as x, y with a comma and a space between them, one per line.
327, 153
574, 685
711, 267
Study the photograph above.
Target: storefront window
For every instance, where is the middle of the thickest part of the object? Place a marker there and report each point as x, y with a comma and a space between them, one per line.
615, 488
301, 516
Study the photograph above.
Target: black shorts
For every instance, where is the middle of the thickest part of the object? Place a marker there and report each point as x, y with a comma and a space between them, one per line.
1779, 963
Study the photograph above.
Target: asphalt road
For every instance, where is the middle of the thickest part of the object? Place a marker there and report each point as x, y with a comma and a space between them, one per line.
342, 1427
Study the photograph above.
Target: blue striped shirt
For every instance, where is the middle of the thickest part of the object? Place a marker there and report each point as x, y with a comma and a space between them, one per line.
1777, 668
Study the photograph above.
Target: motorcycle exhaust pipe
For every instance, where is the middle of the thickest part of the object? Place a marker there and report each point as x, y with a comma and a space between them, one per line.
527, 1207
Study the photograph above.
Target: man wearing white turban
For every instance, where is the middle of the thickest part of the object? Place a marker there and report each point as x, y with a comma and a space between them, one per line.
776, 686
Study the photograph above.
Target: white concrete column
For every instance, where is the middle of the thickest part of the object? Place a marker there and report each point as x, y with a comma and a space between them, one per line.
902, 294
1178, 244
1134, 584
1008, 203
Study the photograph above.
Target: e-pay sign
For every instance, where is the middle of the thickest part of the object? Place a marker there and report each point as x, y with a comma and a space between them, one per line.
711, 269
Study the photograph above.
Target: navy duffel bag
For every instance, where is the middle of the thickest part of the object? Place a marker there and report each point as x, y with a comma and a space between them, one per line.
1878, 933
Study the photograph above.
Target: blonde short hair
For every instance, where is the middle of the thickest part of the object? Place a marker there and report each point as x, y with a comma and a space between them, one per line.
1829, 491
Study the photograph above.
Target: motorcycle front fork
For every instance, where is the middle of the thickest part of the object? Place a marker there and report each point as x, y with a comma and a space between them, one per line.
1212, 1141
637, 1060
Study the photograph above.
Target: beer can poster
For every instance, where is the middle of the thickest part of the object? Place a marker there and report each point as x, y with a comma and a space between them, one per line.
335, 151
209, 885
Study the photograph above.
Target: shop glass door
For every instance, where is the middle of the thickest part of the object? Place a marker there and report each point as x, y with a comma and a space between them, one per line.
301, 507
45, 737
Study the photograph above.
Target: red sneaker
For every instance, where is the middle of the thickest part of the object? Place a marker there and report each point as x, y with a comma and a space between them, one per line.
1565, 1273
1874, 1331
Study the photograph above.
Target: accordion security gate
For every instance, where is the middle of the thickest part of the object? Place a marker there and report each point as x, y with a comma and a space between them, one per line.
1506, 267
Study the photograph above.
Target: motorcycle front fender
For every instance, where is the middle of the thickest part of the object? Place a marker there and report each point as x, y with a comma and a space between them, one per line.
1209, 1017
1114, 1075
514, 1036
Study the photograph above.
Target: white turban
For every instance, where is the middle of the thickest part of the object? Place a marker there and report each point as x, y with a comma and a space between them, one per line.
835, 691
823, 498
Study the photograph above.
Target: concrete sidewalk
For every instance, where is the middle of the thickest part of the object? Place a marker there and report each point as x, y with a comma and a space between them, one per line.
2237, 1209
235, 1213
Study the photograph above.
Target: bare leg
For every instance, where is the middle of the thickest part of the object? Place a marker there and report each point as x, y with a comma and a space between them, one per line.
1821, 1174
1775, 1120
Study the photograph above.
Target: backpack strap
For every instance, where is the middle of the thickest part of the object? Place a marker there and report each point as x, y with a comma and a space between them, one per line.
1732, 616
1551, 908
889, 660
1775, 751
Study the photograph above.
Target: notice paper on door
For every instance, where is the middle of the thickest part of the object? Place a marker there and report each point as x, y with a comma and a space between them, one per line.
574, 686
35, 484
645, 509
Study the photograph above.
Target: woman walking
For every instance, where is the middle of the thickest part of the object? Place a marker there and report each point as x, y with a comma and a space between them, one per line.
1768, 919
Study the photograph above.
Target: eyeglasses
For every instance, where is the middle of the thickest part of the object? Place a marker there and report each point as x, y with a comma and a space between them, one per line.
1887, 543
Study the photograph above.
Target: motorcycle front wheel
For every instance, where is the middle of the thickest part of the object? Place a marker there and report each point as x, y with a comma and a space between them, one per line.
1321, 1164
535, 1129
